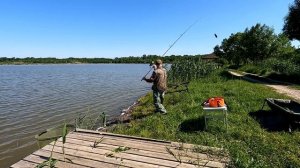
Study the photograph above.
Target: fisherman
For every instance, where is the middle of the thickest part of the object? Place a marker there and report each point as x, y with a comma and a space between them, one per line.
159, 80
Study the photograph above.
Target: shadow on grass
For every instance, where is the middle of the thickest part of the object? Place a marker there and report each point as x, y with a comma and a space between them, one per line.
271, 79
293, 78
192, 125
269, 120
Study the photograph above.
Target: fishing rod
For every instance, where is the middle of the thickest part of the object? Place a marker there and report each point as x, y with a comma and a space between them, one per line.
151, 65
172, 45
180, 37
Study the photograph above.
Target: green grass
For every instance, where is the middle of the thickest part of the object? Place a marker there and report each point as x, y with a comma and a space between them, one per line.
250, 68
248, 144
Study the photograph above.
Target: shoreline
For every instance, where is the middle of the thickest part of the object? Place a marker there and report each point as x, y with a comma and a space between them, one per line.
124, 117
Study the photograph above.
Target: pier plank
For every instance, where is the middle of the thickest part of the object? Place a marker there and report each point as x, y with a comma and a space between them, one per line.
158, 146
185, 157
95, 154
186, 152
145, 146
80, 152
122, 139
60, 163
24, 164
77, 161
165, 156
91, 132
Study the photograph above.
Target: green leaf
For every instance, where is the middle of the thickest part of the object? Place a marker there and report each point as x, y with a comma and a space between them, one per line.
64, 134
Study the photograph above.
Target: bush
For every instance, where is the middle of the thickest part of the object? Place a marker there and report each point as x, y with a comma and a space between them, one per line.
281, 66
251, 68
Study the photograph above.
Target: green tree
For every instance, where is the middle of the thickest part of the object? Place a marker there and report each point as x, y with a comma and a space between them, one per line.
283, 48
292, 21
232, 50
254, 45
258, 42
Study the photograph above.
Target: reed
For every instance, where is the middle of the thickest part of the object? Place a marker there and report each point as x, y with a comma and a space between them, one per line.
176, 156
51, 161
64, 138
91, 120
96, 142
190, 69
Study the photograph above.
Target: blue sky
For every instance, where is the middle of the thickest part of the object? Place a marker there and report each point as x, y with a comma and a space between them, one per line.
118, 28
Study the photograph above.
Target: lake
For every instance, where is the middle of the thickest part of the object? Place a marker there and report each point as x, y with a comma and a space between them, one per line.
34, 98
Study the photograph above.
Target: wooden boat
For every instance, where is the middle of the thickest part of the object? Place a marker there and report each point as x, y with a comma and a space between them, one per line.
289, 109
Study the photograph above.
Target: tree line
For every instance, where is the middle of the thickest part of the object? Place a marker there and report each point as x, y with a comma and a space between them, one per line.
144, 59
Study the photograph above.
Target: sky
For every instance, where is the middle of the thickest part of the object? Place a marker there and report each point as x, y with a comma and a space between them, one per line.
120, 28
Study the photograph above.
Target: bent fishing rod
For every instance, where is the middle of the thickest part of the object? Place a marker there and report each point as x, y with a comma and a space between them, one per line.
171, 46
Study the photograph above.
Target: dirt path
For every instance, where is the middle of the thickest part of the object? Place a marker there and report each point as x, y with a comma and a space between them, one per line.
280, 88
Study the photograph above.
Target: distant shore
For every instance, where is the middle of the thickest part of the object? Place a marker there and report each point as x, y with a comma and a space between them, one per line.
145, 59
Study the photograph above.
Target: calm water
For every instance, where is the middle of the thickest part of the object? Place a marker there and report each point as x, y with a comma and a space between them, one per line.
36, 97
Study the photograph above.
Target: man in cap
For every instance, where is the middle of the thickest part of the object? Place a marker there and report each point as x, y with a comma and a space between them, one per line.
159, 80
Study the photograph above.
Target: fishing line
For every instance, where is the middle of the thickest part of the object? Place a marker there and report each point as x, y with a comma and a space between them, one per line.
180, 37
175, 43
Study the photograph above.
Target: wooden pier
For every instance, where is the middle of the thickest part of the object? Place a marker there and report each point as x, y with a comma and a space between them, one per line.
86, 148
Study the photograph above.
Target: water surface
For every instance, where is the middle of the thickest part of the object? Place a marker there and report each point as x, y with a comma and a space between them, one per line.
36, 97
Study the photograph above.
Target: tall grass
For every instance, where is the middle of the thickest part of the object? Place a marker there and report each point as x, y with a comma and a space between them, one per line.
89, 120
190, 69
51, 161
285, 70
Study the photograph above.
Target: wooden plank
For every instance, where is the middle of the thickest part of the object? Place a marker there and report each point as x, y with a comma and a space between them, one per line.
24, 164
76, 153
190, 166
223, 157
165, 156
193, 146
127, 156
121, 138
175, 145
215, 164
140, 157
119, 135
195, 166
185, 156
33, 159
59, 163
112, 147
143, 153
213, 153
145, 146
76, 161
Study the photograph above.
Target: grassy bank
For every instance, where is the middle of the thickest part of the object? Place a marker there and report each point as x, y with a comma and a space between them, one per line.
248, 143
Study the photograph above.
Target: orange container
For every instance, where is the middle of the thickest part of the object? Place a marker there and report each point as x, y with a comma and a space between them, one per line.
216, 102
